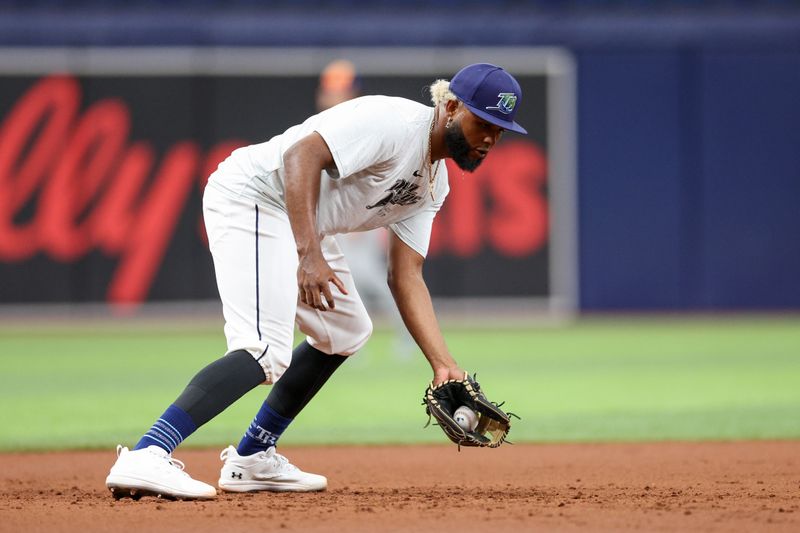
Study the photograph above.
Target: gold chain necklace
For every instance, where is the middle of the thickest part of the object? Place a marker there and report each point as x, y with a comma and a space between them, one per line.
431, 171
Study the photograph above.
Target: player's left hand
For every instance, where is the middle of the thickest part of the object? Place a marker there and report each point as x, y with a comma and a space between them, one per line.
447, 373
442, 400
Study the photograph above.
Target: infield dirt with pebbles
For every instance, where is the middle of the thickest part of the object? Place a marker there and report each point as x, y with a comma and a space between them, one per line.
743, 486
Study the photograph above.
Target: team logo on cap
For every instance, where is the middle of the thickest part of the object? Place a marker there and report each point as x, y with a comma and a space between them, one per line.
506, 103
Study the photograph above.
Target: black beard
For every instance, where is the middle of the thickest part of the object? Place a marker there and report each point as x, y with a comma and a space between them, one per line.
459, 149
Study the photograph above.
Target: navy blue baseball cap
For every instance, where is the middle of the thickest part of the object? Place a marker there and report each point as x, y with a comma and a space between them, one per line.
490, 92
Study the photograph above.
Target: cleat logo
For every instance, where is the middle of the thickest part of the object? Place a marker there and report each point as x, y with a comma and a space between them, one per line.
235, 475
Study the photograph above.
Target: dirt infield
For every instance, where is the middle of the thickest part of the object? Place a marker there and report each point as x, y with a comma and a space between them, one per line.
753, 486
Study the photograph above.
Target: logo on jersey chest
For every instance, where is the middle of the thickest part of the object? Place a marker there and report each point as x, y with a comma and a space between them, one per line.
402, 192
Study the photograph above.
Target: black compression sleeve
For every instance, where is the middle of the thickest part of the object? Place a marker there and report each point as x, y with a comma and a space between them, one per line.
220, 384
307, 373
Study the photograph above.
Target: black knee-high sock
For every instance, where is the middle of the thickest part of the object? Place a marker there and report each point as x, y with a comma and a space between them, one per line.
219, 385
307, 373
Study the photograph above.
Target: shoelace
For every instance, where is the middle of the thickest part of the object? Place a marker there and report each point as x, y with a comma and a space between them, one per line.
283, 462
176, 463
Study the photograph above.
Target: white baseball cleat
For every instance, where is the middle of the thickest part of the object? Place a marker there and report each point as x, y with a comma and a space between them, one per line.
266, 470
152, 471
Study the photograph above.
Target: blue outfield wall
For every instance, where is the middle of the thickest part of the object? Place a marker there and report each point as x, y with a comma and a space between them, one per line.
630, 179
688, 122
750, 223
689, 179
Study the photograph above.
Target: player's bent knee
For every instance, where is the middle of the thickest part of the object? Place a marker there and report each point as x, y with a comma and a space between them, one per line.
359, 338
340, 336
358, 333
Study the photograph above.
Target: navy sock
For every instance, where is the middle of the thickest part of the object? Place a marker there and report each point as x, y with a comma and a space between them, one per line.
169, 430
264, 431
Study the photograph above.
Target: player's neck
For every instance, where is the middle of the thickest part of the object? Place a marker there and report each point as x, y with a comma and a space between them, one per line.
438, 148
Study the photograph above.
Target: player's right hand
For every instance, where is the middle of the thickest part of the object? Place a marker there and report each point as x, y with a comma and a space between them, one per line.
314, 279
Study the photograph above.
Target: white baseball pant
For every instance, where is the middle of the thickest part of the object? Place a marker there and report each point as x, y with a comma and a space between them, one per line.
255, 259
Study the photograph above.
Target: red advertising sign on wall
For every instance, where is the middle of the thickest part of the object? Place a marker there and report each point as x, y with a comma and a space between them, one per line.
101, 180
90, 187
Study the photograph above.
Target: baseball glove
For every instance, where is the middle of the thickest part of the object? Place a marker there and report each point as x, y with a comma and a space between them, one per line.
442, 401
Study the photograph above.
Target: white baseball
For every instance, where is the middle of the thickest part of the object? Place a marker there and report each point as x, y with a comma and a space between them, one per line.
466, 418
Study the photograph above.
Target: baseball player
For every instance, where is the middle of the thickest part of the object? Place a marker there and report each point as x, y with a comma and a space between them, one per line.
271, 212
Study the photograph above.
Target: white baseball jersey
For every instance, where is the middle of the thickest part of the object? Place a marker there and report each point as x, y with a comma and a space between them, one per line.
380, 148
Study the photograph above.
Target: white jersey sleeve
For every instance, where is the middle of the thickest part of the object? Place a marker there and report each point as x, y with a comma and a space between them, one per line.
362, 133
415, 230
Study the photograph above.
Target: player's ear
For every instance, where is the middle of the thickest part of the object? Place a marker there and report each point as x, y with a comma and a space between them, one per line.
451, 107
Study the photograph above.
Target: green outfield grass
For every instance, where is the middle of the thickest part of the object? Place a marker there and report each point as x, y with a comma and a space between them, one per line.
611, 379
